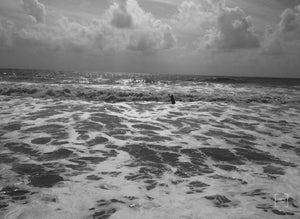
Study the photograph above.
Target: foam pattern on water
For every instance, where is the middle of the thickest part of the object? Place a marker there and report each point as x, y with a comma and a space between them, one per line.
77, 159
184, 92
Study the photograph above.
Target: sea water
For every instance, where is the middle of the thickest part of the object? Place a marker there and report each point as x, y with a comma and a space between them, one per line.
111, 145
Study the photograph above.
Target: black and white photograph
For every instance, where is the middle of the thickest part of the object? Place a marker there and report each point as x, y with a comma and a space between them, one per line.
149, 109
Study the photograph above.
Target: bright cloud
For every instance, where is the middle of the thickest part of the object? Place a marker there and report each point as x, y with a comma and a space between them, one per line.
124, 32
124, 27
235, 30
272, 44
215, 25
120, 17
287, 31
35, 9
195, 17
289, 25
147, 33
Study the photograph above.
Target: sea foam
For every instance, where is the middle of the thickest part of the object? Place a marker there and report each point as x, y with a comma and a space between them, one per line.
158, 92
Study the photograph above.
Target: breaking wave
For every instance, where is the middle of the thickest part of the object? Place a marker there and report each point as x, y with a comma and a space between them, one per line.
126, 93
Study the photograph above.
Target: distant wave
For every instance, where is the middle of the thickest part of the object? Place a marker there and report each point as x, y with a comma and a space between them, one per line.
224, 80
122, 93
77, 77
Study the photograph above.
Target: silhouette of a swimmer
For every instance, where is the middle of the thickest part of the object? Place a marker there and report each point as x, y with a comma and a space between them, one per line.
172, 99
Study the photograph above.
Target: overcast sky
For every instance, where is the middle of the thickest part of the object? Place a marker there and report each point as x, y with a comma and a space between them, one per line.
208, 37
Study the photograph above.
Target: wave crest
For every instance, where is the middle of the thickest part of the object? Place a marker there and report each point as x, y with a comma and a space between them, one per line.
110, 93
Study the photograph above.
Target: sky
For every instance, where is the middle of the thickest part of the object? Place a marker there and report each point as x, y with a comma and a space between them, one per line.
206, 37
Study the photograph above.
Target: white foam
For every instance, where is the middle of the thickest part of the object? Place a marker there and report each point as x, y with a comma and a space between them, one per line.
77, 195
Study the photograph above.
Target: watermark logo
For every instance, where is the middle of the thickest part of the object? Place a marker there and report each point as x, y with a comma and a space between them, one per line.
281, 200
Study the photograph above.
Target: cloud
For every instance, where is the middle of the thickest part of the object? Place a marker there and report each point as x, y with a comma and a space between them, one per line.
62, 35
213, 25
65, 34
272, 44
149, 42
194, 20
6, 30
289, 25
35, 9
120, 17
146, 34
3, 37
234, 30
286, 32
143, 33
125, 26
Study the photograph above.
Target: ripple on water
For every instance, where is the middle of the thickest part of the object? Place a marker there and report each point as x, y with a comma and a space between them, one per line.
12, 127
7, 158
45, 180
61, 153
55, 130
147, 127
28, 168
43, 140
38, 175
23, 148
221, 154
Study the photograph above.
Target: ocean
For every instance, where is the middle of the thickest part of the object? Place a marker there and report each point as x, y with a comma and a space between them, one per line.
126, 87
111, 145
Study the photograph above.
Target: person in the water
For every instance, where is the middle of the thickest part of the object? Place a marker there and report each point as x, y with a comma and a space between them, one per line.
172, 99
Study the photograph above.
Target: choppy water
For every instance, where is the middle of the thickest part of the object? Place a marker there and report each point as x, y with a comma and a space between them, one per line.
229, 148
125, 87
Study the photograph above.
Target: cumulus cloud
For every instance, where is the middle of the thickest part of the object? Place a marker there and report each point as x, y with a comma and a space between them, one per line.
35, 9
146, 34
287, 31
6, 30
143, 33
289, 25
272, 44
193, 17
3, 37
149, 42
234, 30
120, 17
65, 34
215, 26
